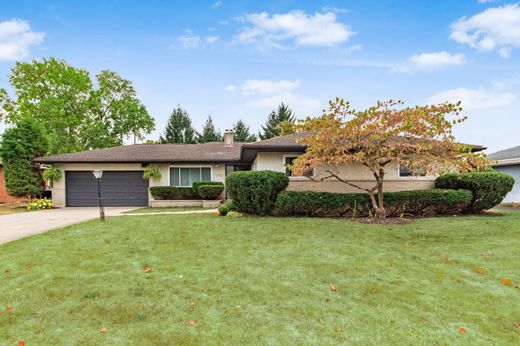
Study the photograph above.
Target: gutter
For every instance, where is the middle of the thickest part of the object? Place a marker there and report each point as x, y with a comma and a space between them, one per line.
506, 162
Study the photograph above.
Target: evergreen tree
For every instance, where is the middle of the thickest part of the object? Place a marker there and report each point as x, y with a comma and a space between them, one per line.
209, 133
179, 129
20, 144
271, 127
241, 132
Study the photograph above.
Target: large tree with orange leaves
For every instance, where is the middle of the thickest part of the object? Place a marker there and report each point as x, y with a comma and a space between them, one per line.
418, 138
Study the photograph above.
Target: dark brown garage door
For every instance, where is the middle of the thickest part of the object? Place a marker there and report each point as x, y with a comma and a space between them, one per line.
118, 188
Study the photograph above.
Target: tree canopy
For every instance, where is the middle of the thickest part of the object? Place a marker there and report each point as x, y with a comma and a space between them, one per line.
272, 126
178, 128
419, 138
209, 133
75, 113
241, 132
20, 144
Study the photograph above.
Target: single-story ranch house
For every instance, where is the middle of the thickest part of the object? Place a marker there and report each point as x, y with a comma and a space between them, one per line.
183, 164
508, 161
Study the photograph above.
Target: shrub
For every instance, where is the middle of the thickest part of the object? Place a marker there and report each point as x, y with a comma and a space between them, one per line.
152, 172
197, 184
173, 192
254, 192
39, 204
226, 207
210, 191
488, 188
416, 203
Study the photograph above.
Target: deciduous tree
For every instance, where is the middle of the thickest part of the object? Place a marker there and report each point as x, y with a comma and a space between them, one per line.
419, 138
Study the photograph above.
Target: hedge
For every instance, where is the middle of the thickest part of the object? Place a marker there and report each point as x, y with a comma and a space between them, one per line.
210, 191
254, 192
226, 207
173, 192
413, 203
488, 188
197, 184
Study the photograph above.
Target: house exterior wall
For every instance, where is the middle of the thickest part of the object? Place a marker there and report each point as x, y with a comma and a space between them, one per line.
4, 196
513, 170
218, 173
355, 173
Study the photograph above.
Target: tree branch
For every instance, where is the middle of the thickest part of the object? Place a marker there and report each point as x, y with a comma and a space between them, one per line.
334, 175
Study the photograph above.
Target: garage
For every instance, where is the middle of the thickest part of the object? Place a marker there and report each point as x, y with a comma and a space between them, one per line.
118, 188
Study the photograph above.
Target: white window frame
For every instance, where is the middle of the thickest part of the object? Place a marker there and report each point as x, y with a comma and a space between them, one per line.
298, 177
413, 177
179, 166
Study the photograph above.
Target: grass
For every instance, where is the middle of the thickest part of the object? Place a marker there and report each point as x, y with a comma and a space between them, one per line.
161, 210
252, 280
12, 208
511, 205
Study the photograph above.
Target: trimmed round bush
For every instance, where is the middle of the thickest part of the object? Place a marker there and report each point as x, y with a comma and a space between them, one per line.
255, 192
488, 188
414, 203
210, 191
226, 207
173, 193
197, 184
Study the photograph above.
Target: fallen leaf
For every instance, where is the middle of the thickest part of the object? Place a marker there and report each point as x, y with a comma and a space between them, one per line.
480, 270
462, 330
192, 322
9, 308
506, 282
333, 288
103, 330
147, 270
21, 343
7, 270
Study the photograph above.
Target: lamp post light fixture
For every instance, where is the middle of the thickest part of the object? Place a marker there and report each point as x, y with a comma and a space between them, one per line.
98, 174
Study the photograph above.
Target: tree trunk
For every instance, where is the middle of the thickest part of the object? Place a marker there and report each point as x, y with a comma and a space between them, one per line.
380, 212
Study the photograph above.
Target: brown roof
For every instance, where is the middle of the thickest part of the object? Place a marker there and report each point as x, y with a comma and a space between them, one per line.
282, 141
207, 152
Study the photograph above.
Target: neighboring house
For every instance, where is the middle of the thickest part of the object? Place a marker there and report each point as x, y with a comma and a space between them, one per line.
508, 161
182, 164
4, 196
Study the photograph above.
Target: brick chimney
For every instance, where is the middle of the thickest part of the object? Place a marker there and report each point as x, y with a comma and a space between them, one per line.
228, 138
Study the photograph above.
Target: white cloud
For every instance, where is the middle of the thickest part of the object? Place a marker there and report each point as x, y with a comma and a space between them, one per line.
496, 28
189, 40
265, 95
476, 99
267, 87
319, 29
335, 9
212, 39
16, 38
485, 1
217, 4
430, 62
231, 88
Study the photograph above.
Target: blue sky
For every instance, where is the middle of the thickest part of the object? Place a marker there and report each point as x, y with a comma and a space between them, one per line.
239, 59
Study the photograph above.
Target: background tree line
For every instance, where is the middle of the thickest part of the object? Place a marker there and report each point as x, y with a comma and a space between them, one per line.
179, 128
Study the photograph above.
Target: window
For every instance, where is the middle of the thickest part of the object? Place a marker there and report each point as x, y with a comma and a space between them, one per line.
405, 172
186, 176
288, 161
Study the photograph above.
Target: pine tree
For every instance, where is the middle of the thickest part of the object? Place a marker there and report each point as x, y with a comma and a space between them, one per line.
209, 133
241, 132
179, 129
282, 114
20, 144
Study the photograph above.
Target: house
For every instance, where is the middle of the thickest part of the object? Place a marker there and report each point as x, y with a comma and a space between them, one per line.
508, 161
183, 164
4, 196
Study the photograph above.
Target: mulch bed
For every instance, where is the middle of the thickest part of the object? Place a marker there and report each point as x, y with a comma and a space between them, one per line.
386, 221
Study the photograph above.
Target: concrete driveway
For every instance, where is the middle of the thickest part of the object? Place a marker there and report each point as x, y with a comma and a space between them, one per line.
21, 225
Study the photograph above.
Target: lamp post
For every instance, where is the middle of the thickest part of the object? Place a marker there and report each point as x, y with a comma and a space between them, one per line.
98, 174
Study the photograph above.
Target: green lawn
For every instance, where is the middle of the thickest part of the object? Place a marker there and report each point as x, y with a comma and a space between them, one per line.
161, 210
252, 280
